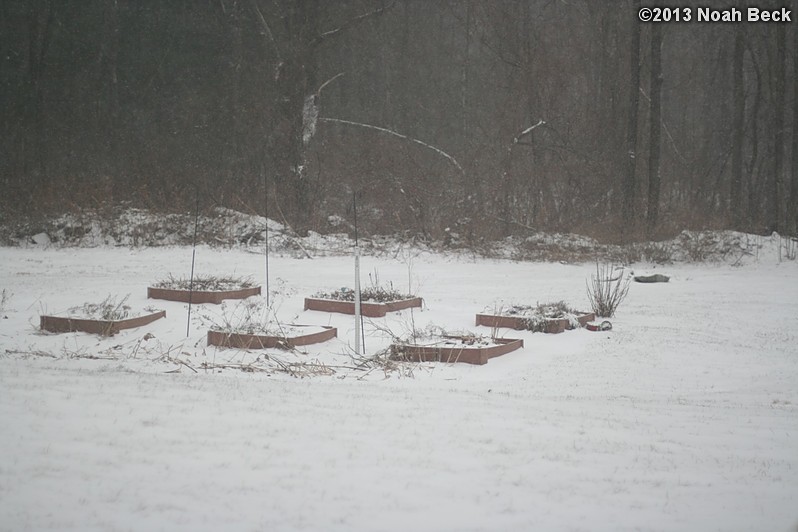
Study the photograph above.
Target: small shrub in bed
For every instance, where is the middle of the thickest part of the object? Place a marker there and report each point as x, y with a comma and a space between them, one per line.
205, 283
536, 317
377, 294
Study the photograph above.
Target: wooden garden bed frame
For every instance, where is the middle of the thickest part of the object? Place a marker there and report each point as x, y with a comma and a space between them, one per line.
61, 324
367, 309
519, 323
263, 341
478, 355
201, 296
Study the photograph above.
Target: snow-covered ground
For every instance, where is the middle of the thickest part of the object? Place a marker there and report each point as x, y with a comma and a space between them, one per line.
683, 417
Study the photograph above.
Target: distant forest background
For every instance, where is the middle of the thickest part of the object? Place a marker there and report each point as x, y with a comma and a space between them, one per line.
481, 117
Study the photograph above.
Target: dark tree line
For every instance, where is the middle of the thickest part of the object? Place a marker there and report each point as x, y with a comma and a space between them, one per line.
485, 117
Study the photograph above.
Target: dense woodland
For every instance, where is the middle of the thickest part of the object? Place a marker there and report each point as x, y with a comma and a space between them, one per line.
482, 118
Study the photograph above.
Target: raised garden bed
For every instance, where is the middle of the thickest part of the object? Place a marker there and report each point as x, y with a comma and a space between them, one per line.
367, 308
552, 318
288, 337
449, 349
375, 301
106, 318
61, 324
203, 289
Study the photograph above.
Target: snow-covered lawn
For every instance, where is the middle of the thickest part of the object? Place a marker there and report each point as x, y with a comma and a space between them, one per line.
683, 417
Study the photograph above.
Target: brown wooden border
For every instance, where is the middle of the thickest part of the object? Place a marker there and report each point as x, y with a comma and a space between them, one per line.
552, 326
60, 324
467, 355
369, 310
201, 296
258, 341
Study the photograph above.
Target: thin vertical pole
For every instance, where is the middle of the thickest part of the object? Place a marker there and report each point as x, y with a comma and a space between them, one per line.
193, 256
266, 214
358, 317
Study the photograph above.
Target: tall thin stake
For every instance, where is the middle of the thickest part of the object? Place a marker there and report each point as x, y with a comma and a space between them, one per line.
193, 256
266, 233
359, 338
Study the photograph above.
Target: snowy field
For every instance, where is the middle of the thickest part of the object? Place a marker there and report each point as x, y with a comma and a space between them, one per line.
683, 417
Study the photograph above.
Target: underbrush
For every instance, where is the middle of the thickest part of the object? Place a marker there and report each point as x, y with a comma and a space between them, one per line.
122, 225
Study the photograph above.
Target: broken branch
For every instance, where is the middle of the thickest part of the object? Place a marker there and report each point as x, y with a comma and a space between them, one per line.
401, 136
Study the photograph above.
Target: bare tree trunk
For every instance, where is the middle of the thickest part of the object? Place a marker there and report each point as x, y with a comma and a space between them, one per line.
794, 184
656, 128
108, 89
40, 22
465, 72
777, 200
300, 82
738, 129
754, 192
630, 181
297, 86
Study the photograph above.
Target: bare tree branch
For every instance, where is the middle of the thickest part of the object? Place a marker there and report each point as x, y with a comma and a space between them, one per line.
395, 134
318, 92
666, 130
268, 30
349, 23
506, 185
527, 131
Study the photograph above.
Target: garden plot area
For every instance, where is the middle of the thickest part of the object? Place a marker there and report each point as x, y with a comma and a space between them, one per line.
683, 417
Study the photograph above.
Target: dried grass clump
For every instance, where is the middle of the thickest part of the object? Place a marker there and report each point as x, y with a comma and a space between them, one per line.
248, 316
375, 292
109, 309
